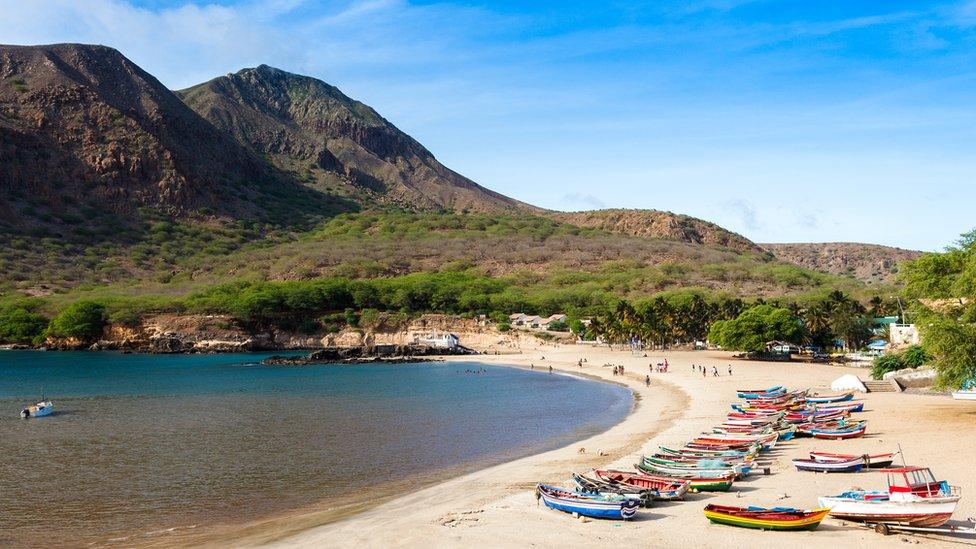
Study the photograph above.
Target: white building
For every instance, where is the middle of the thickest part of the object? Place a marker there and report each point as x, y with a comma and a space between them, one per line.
442, 340
902, 335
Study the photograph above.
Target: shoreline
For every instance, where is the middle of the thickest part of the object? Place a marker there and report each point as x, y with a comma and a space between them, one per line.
281, 525
496, 507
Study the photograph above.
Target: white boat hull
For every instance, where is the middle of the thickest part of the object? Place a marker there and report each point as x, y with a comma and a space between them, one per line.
928, 512
964, 395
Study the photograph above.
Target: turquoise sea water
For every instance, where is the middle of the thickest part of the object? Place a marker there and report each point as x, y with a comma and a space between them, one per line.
145, 443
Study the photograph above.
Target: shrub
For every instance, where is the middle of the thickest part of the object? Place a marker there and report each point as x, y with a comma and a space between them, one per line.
20, 325
886, 363
82, 319
915, 356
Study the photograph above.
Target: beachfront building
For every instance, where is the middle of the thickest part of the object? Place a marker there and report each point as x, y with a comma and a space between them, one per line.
441, 340
534, 322
902, 335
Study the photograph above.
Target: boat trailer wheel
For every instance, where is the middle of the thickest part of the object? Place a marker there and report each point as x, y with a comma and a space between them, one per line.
882, 529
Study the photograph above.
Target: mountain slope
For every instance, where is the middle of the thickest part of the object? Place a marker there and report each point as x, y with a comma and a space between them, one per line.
871, 263
90, 141
660, 225
334, 142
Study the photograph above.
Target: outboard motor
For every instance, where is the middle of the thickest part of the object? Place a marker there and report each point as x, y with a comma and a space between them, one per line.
25, 412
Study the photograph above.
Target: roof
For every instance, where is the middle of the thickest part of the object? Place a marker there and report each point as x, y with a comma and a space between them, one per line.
906, 469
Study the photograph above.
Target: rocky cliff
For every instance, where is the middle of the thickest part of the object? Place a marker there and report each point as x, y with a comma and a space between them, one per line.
334, 142
90, 141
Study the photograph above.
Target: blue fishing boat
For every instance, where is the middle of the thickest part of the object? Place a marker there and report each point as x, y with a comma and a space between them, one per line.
776, 391
821, 399
605, 506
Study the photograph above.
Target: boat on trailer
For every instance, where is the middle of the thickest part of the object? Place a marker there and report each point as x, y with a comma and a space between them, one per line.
776, 518
605, 506
914, 498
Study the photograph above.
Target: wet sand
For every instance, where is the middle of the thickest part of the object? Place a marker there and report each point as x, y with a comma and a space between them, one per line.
496, 506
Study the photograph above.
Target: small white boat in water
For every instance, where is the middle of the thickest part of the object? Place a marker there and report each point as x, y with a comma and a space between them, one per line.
40, 409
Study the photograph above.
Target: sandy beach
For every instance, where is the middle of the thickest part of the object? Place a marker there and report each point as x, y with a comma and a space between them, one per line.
496, 507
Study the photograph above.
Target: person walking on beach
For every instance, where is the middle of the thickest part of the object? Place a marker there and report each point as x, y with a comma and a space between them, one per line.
550, 369
714, 371
647, 380
703, 371
730, 369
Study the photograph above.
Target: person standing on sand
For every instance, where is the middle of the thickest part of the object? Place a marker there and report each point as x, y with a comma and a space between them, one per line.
550, 369
647, 381
730, 369
714, 371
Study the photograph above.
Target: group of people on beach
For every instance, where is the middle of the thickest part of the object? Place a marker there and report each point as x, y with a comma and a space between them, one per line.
618, 370
704, 370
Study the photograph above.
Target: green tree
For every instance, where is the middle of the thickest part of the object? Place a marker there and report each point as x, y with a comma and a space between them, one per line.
752, 329
20, 325
82, 319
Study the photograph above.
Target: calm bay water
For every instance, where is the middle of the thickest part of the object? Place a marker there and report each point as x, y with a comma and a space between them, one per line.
145, 443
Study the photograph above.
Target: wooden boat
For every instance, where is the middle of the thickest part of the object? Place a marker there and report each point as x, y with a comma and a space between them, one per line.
853, 465
776, 518
850, 406
914, 498
840, 433
590, 485
706, 470
610, 506
759, 393
696, 482
690, 452
40, 409
825, 398
667, 488
872, 461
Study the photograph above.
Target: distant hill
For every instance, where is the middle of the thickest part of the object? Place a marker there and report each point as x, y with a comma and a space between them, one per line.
335, 143
660, 225
871, 263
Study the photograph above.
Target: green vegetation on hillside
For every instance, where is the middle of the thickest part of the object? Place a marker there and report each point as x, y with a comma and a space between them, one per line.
751, 330
942, 287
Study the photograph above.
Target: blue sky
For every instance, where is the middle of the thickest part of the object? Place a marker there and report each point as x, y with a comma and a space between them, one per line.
785, 121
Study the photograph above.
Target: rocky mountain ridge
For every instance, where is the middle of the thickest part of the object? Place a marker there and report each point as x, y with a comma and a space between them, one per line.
870, 263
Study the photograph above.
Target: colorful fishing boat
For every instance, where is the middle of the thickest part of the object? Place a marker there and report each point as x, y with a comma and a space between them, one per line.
40, 409
776, 518
913, 498
707, 469
759, 393
850, 406
871, 461
590, 485
826, 398
604, 506
841, 432
852, 465
696, 482
667, 488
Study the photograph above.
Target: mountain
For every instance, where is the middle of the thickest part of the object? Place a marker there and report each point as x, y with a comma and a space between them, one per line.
109, 178
659, 225
871, 263
335, 143
91, 146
